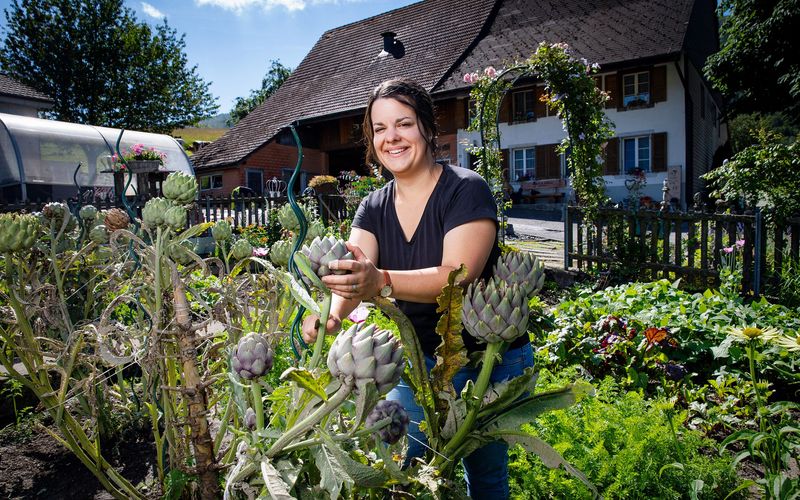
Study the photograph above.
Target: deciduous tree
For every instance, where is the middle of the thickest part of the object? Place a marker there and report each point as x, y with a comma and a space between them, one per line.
276, 75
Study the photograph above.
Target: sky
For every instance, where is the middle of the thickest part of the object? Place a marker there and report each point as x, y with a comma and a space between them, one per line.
233, 41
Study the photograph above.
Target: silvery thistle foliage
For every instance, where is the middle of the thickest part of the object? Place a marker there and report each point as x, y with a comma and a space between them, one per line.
367, 355
252, 356
322, 251
521, 268
495, 311
399, 424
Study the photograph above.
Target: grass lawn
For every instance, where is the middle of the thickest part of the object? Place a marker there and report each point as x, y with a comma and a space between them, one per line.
191, 134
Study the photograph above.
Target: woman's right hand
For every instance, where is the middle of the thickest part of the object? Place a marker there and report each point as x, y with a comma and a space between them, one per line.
311, 325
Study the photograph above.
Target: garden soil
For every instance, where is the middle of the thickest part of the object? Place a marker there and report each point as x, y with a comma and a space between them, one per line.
41, 468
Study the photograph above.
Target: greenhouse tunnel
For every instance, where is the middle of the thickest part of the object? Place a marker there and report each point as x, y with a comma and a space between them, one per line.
38, 158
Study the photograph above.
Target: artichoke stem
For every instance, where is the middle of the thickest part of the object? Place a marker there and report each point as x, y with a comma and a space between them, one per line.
492, 349
325, 313
258, 404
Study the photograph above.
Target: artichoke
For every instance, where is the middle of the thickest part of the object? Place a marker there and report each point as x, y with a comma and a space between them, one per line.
155, 210
180, 188
399, 424
279, 252
288, 219
99, 234
175, 217
367, 356
222, 231
241, 249
322, 251
56, 212
116, 219
18, 232
181, 252
495, 312
315, 230
252, 356
250, 418
88, 213
521, 268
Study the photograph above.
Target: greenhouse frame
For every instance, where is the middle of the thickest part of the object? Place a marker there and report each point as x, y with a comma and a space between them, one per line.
39, 158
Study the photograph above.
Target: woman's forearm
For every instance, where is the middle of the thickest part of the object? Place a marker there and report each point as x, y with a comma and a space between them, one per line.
419, 285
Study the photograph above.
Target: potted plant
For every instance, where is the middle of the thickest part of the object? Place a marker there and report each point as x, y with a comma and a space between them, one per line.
138, 158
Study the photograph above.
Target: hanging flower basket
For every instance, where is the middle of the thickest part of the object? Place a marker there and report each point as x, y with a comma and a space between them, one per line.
142, 166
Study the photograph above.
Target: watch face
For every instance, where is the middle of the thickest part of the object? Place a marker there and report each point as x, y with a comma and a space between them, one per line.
386, 291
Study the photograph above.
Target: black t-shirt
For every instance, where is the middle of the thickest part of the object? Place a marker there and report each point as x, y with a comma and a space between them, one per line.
460, 196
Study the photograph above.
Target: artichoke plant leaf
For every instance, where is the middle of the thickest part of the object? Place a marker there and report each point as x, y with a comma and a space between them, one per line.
304, 265
366, 400
503, 394
298, 292
306, 380
550, 457
332, 474
194, 231
278, 489
526, 409
362, 475
451, 355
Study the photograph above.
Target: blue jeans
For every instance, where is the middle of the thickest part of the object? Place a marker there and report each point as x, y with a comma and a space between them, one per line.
486, 468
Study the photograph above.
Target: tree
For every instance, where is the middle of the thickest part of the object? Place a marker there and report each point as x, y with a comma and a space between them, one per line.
276, 75
758, 66
102, 66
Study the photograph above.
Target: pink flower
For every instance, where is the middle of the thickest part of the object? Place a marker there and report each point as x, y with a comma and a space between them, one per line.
468, 78
260, 252
475, 77
728, 249
359, 315
740, 243
490, 72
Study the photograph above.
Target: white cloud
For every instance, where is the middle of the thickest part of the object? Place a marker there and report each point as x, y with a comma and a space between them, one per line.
152, 11
239, 6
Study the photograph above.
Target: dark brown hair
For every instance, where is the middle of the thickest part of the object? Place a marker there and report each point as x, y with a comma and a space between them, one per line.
411, 94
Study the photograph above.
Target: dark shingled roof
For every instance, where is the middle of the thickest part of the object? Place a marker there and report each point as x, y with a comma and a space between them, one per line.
603, 31
444, 39
344, 66
13, 88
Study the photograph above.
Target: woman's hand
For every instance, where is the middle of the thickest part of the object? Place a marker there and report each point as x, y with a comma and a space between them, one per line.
311, 327
364, 280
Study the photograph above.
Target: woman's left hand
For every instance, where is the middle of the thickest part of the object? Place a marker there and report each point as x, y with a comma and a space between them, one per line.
364, 280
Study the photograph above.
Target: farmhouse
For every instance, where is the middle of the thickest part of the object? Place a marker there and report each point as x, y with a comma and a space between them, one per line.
650, 53
19, 99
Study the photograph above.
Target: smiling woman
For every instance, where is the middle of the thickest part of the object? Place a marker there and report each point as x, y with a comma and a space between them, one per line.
407, 237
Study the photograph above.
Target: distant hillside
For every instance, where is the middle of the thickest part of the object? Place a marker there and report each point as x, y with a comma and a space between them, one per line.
217, 121
189, 135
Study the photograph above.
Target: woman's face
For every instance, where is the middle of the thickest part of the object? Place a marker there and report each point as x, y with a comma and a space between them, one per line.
399, 142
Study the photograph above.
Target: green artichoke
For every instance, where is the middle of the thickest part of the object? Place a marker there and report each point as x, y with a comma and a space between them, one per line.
175, 217
241, 249
222, 231
181, 252
279, 253
155, 210
521, 268
322, 251
288, 219
315, 230
367, 356
180, 188
493, 312
399, 424
88, 213
99, 234
252, 356
18, 232
56, 212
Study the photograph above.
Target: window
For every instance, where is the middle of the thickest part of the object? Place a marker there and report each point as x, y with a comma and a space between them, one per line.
636, 89
524, 102
636, 154
524, 163
211, 182
472, 110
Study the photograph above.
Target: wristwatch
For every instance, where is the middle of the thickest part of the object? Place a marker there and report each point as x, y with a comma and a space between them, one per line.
386, 290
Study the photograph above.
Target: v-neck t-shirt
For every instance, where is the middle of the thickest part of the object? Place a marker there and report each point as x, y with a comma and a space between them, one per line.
460, 196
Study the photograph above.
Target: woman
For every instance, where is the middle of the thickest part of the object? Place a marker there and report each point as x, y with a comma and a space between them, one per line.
407, 237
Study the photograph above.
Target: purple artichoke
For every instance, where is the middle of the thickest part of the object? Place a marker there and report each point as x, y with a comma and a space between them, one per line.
252, 356
368, 356
399, 424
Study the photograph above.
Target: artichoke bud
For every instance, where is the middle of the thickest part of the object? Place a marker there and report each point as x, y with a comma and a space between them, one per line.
521, 268
367, 356
18, 232
241, 249
99, 234
252, 356
116, 219
180, 188
397, 428
175, 217
315, 230
322, 251
222, 231
288, 219
250, 418
55, 213
88, 213
279, 253
495, 311
155, 210
181, 252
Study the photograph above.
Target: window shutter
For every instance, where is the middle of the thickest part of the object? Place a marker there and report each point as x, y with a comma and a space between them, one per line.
541, 162
505, 109
658, 81
613, 92
660, 152
611, 157
539, 107
553, 161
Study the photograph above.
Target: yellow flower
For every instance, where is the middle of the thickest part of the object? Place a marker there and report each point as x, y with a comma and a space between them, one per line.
749, 333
